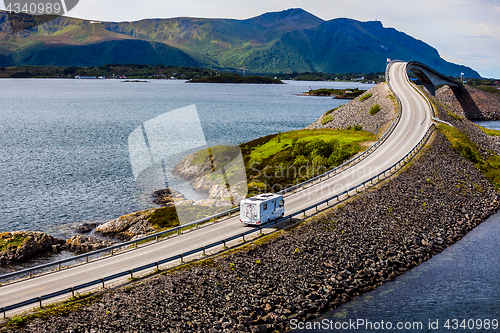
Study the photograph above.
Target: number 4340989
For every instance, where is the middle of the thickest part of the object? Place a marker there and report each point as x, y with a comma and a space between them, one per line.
471, 324
35, 8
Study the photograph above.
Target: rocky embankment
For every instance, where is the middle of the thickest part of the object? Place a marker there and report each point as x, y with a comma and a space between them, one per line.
358, 113
470, 102
311, 268
488, 105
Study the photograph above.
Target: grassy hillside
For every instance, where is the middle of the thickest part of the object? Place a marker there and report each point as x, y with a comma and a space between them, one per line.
277, 161
288, 41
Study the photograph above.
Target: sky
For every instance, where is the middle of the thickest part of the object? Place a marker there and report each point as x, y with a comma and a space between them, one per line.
465, 32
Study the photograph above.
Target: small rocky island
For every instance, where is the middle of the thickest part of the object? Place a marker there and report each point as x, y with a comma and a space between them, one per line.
335, 93
237, 79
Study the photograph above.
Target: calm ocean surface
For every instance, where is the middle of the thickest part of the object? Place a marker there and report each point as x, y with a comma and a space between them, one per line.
64, 152
461, 283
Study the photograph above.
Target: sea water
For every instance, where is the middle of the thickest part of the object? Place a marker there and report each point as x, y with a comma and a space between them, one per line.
64, 155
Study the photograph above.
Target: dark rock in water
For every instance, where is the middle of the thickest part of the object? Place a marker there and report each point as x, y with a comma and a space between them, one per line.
85, 228
20, 246
166, 197
82, 244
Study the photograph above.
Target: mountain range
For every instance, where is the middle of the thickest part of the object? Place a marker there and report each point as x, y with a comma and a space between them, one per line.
288, 41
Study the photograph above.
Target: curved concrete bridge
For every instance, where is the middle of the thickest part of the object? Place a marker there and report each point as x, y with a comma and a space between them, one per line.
415, 120
429, 77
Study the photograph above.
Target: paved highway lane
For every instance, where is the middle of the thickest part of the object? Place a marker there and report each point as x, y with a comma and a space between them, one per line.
414, 122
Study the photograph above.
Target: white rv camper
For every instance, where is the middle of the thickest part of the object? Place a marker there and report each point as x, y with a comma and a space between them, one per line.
262, 209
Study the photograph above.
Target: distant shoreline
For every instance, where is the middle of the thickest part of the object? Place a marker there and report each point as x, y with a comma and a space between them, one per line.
237, 79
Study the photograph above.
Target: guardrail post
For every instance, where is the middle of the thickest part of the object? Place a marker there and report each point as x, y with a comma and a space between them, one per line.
87, 259
40, 300
102, 280
157, 266
178, 231
112, 252
304, 213
243, 235
316, 207
3, 310
224, 242
157, 238
59, 266
203, 250
131, 274
182, 259
327, 202
73, 292
31, 274
260, 229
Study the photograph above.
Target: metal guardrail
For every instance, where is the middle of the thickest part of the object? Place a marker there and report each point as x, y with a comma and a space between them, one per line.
111, 249
360, 157
338, 197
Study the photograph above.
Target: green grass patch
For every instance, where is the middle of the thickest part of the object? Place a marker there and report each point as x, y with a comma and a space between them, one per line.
326, 119
489, 166
11, 241
375, 109
53, 311
491, 89
365, 97
164, 218
289, 139
456, 116
295, 156
219, 154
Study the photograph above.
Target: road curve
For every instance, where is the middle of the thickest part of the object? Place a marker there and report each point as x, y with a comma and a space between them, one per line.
414, 122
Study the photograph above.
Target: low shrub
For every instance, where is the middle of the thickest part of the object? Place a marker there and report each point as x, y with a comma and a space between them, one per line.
326, 120
375, 109
365, 97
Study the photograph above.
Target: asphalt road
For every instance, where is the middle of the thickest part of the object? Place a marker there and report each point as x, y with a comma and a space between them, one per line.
415, 120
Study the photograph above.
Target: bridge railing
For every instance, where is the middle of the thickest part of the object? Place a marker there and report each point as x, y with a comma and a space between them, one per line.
338, 198
133, 244
331, 201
